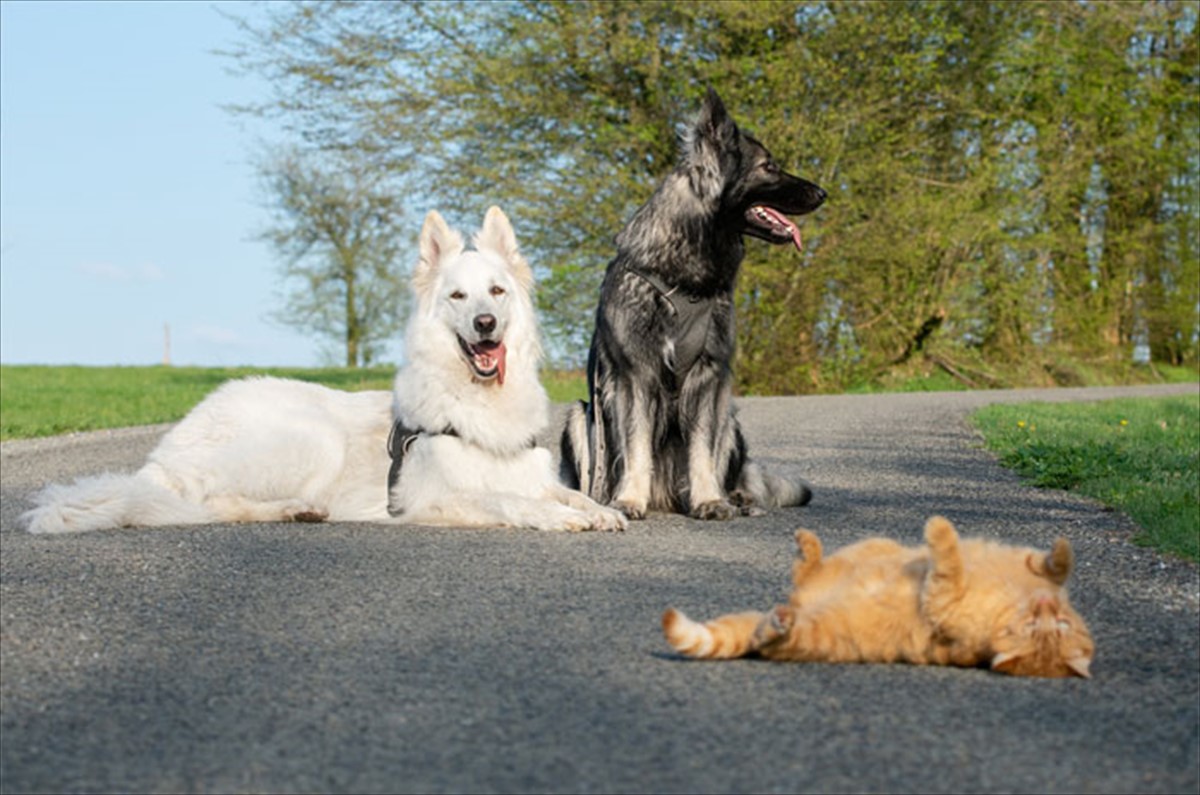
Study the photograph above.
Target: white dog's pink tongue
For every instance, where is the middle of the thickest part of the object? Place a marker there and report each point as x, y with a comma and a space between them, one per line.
784, 224
501, 354
489, 355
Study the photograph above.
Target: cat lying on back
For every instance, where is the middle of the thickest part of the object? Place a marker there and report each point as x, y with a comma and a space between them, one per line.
970, 603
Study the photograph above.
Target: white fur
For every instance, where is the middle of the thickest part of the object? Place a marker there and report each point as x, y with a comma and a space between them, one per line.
690, 637
270, 449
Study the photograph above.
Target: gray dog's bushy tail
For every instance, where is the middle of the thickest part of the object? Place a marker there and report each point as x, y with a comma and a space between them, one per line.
576, 470
774, 491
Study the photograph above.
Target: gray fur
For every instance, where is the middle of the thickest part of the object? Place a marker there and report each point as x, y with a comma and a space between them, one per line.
662, 435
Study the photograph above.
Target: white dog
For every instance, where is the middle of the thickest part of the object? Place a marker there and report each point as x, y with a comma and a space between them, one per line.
459, 426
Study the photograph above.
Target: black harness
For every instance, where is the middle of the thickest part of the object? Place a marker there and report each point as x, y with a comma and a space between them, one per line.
399, 440
693, 317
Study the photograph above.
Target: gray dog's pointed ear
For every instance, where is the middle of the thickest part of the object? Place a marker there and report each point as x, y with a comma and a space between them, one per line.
437, 243
714, 123
712, 134
497, 236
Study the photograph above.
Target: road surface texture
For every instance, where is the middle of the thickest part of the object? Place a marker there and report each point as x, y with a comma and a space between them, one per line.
336, 657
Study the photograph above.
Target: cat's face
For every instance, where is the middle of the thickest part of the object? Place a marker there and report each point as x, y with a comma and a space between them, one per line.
1044, 637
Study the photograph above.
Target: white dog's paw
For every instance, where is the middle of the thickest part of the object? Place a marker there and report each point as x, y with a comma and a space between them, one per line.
560, 518
599, 517
576, 522
298, 511
608, 520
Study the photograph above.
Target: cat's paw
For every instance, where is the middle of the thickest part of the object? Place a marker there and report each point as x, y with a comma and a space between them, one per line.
775, 625
808, 546
782, 618
718, 510
939, 533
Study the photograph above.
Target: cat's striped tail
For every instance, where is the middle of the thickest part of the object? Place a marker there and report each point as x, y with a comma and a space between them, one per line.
724, 638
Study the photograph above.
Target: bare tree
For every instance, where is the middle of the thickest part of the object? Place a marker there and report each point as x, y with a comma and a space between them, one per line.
335, 228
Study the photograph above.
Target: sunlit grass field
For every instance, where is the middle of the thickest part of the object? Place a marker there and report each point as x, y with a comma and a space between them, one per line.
45, 401
1137, 455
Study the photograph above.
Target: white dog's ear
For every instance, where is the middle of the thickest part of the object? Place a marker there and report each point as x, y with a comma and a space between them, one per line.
437, 243
498, 237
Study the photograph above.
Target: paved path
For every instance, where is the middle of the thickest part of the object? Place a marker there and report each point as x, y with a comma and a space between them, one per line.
365, 658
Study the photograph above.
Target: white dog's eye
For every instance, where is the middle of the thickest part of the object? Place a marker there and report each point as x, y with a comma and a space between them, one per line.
497, 290
457, 295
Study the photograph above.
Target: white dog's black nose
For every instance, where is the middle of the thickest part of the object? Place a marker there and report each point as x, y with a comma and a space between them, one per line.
485, 324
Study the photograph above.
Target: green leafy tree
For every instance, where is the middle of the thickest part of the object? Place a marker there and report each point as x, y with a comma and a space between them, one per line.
1011, 184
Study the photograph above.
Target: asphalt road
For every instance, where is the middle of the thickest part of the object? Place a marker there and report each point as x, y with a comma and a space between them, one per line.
290, 658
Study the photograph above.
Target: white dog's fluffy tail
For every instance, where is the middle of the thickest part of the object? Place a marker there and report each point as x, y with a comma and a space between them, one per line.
105, 501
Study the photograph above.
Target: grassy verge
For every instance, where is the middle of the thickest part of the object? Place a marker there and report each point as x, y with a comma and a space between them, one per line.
40, 400
564, 386
922, 375
1137, 455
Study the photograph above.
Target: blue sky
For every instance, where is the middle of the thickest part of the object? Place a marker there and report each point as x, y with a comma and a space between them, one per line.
127, 198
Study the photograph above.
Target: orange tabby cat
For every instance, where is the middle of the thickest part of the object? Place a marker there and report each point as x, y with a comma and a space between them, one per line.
951, 602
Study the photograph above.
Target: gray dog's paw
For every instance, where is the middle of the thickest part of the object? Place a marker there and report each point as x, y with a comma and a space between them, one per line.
719, 510
631, 511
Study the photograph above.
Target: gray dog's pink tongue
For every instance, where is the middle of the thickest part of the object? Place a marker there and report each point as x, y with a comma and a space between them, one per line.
782, 221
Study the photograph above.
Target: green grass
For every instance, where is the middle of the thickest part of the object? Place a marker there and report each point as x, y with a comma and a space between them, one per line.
1141, 456
932, 381
564, 386
40, 400
1137, 455
44, 401
922, 375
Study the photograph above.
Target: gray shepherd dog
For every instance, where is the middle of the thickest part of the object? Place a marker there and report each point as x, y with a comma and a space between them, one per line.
659, 432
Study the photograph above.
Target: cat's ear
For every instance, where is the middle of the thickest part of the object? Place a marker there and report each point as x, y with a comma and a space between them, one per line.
1080, 666
1006, 662
1056, 564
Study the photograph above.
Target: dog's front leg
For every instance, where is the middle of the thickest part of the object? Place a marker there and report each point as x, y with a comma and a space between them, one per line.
636, 426
706, 500
707, 402
603, 518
